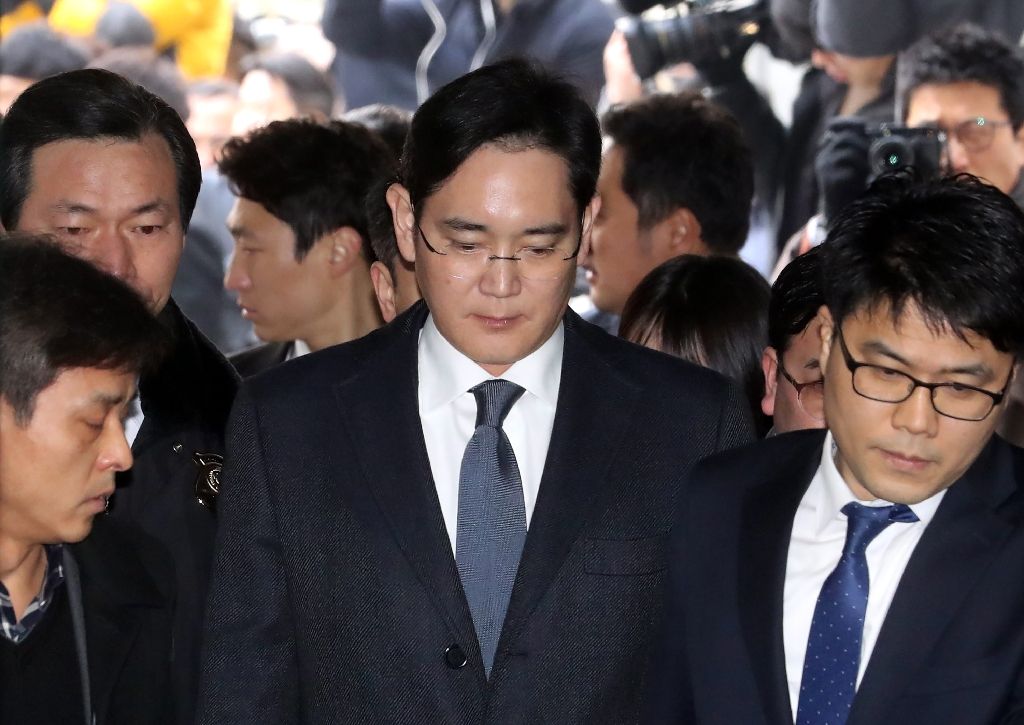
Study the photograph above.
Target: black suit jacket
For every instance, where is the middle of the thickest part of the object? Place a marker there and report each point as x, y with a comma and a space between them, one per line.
127, 581
336, 596
951, 649
262, 357
186, 403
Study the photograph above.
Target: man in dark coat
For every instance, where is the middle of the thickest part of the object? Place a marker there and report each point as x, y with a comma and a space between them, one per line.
110, 170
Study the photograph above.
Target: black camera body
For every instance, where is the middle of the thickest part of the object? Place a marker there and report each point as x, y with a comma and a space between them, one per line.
892, 147
702, 32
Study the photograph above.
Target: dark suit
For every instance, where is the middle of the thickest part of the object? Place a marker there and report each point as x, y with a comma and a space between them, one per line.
186, 404
336, 597
127, 581
951, 649
262, 357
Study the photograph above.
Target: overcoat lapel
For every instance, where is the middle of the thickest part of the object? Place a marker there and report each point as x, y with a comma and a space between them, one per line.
388, 441
767, 524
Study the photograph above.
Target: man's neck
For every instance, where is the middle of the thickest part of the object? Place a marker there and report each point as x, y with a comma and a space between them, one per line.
355, 315
22, 569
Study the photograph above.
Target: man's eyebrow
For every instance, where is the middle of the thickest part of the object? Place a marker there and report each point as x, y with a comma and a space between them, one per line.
554, 229
155, 205
72, 207
978, 370
110, 399
459, 224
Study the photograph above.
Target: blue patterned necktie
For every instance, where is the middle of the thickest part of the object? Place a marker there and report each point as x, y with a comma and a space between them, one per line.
491, 527
833, 648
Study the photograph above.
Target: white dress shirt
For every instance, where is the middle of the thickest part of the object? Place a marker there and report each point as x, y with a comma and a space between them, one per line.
819, 533
297, 349
448, 413
133, 423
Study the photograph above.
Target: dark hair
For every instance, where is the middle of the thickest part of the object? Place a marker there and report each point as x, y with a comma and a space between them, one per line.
312, 176
796, 299
514, 104
88, 104
380, 226
158, 75
712, 311
310, 90
682, 150
954, 246
124, 25
965, 53
36, 51
391, 123
59, 312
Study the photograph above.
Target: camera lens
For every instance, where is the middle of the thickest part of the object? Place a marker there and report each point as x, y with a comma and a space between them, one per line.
890, 153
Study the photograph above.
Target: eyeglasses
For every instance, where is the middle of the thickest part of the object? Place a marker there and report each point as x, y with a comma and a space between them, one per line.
953, 400
810, 395
468, 260
976, 134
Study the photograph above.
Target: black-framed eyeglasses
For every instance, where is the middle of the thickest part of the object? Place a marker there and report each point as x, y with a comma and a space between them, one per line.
976, 134
468, 260
953, 400
810, 395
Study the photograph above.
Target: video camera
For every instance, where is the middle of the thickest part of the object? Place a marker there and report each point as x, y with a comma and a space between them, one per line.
702, 32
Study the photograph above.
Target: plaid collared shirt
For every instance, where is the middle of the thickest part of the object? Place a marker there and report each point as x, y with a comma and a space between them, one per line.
17, 630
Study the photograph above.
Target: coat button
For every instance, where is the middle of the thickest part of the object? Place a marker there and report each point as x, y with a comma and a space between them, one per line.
454, 657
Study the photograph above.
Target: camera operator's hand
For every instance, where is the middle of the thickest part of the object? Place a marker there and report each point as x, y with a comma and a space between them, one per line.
842, 164
621, 82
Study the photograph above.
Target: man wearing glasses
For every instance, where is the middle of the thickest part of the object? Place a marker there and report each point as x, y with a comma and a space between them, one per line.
462, 517
793, 386
969, 82
870, 574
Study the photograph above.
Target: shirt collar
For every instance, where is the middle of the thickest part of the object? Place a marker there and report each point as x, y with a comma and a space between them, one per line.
834, 493
446, 373
298, 349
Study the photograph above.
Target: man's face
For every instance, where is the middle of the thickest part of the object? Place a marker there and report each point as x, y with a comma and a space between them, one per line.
113, 203
506, 201
622, 253
284, 298
57, 469
905, 452
210, 120
949, 104
262, 98
800, 361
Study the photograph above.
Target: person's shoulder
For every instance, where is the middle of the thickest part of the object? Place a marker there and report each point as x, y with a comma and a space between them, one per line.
119, 555
256, 359
763, 459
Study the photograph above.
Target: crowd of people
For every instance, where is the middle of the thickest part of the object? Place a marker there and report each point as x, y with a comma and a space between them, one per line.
437, 383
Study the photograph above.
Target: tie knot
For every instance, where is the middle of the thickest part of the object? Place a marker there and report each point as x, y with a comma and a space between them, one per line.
494, 399
864, 523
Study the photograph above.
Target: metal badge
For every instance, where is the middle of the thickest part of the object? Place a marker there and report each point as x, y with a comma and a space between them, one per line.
208, 480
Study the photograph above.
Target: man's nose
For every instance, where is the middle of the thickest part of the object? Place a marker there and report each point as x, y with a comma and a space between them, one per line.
112, 252
956, 155
236, 278
501, 277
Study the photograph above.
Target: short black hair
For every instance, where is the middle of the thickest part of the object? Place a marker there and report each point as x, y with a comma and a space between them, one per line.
390, 122
796, 299
712, 311
514, 104
310, 90
381, 227
155, 73
59, 312
89, 104
124, 25
965, 53
954, 246
312, 176
682, 150
36, 51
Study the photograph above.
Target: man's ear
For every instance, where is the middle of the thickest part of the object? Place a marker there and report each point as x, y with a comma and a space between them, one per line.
345, 248
404, 219
825, 332
683, 232
384, 287
587, 230
770, 368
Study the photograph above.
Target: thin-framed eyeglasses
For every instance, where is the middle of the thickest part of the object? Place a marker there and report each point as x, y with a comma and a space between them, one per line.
810, 395
976, 134
468, 260
953, 400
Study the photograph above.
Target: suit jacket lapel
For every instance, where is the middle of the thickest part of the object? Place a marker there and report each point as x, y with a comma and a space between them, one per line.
767, 524
398, 472
953, 552
575, 471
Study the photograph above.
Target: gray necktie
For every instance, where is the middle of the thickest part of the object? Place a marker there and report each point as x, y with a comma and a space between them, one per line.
491, 527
